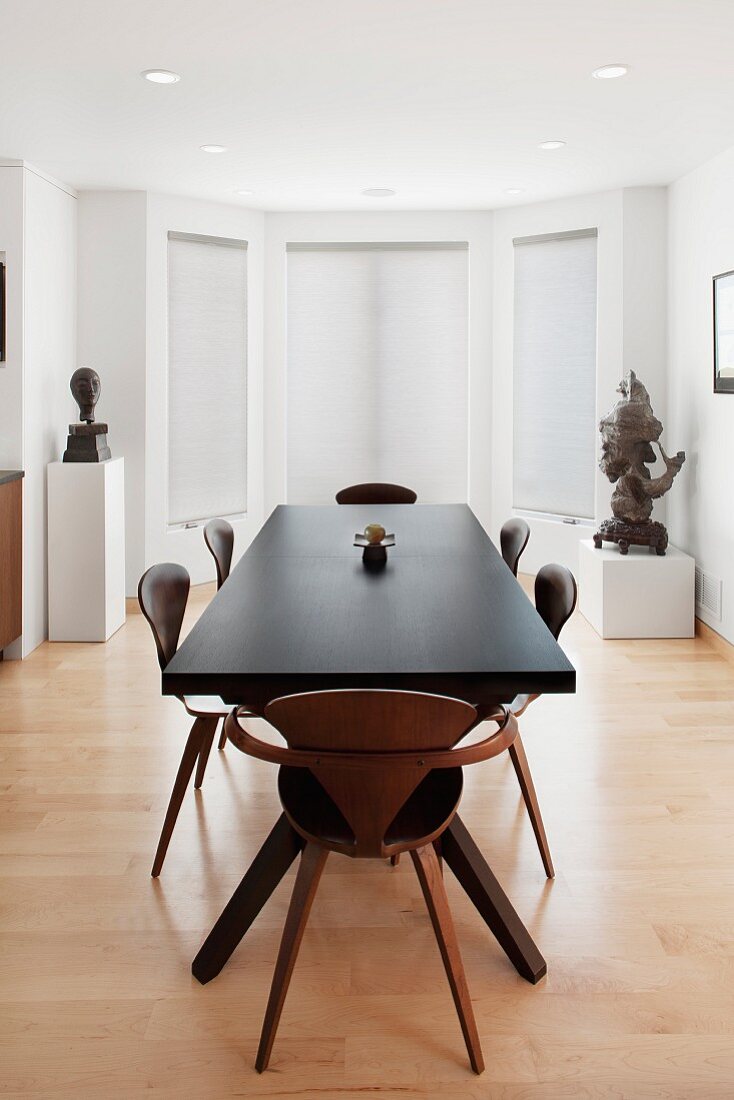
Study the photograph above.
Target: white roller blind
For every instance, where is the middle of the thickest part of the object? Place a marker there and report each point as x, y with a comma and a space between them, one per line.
207, 378
555, 374
377, 369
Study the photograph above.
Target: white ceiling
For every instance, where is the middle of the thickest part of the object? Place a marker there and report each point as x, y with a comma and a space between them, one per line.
443, 100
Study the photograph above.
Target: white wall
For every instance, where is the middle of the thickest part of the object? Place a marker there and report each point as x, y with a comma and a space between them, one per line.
630, 333
111, 339
476, 228
38, 238
122, 323
701, 245
645, 296
123, 334
49, 359
11, 371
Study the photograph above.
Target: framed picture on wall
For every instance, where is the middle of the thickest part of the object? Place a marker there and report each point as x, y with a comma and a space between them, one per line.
724, 332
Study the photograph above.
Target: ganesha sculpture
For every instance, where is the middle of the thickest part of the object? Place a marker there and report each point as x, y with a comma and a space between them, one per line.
628, 433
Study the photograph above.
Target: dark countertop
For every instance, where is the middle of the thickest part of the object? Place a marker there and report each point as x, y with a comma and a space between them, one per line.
10, 475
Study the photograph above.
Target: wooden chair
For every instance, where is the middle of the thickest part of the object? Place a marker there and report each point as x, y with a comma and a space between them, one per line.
555, 600
513, 540
376, 493
371, 774
163, 592
219, 539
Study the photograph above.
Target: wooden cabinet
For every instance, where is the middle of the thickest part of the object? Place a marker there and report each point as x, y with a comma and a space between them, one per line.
11, 556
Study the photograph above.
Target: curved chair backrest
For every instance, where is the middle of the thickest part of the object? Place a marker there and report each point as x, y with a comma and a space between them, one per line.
555, 596
162, 594
219, 539
513, 540
370, 750
376, 492
374, 721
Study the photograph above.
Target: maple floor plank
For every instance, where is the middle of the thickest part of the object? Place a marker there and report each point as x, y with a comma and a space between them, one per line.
635, 777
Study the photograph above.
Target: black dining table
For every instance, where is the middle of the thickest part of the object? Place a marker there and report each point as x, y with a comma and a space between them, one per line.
302, 612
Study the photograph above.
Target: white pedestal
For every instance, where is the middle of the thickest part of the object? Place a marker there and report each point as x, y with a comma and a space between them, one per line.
86, 550
637, 595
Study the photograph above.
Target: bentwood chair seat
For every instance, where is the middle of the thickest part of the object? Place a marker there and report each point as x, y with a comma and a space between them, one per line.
368, 774
205, 706
555, 600
315, 815
163, 593
376, 492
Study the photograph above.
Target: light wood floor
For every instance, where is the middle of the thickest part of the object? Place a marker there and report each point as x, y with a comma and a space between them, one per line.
636, 779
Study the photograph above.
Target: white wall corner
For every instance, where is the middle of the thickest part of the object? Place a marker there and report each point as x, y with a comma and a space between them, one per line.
48, 360
112, 340
699, 421
645, 302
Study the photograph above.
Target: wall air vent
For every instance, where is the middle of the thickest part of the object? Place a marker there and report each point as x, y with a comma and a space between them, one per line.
708, 593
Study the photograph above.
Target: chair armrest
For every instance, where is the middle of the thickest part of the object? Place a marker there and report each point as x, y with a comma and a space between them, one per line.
246, 741
500, 739
497, 741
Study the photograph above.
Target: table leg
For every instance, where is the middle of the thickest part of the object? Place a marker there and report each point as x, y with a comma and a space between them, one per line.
265, 872
473, 872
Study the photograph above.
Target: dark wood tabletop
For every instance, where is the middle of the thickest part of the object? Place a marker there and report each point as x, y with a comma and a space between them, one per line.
300, 612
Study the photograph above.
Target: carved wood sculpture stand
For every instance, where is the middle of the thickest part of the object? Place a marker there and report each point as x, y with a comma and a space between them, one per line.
650, 534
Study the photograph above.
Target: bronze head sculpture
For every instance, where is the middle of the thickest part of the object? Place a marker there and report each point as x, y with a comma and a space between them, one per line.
87, 441
628, 433
85, 387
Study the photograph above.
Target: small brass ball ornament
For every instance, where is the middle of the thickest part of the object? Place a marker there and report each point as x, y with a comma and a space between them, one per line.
374, 533
374, 544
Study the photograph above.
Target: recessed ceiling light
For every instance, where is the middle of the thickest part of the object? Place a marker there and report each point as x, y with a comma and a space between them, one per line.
213, 148
610, 72
244, 192
514, 190
161, 76
378, 192
551, 144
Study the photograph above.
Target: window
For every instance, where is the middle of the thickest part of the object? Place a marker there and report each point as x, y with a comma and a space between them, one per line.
377, 368
554, 411
207, 378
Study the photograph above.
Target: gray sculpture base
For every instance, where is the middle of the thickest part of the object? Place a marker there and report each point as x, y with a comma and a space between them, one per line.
625, 534
87, 443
